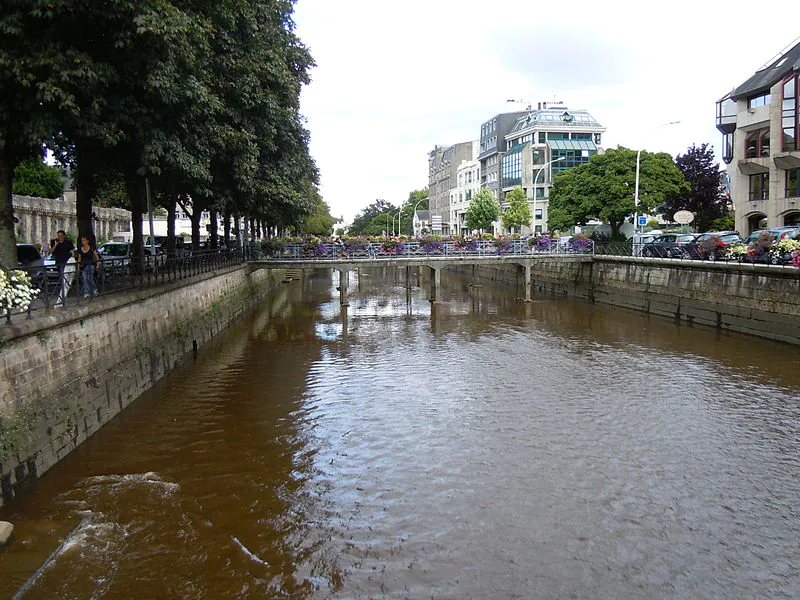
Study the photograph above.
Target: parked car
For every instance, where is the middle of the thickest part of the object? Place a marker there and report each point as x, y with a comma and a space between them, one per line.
761, 252
117, 258
30, 261
712, 244
669, 245
182, 249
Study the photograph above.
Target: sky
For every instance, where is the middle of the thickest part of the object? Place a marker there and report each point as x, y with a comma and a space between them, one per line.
394, 79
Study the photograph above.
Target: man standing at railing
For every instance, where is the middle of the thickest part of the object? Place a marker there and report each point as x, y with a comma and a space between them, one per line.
61, 253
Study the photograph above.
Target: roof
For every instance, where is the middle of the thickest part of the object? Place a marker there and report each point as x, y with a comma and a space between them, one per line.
424, 215
571, 145
768, 76
556, 117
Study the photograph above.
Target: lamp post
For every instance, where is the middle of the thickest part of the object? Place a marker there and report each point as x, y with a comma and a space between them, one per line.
398, 221
636, 183
536, 187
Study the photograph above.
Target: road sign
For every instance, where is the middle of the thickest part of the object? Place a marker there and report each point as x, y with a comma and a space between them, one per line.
642, 220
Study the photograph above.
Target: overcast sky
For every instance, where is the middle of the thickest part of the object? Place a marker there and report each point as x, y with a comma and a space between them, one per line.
394, 79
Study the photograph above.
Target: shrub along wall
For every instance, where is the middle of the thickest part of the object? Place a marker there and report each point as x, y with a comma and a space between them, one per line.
64, 375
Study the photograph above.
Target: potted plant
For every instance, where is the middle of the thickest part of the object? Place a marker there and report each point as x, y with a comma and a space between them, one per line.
580, 244
464, 244
541, 244
430, 244
503, 245
391, 246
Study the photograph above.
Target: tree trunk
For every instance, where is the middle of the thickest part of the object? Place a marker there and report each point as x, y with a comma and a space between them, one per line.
171, 209
236, 231
136, 194
197, 213
226, 228
212, 230
84, 190
8, 238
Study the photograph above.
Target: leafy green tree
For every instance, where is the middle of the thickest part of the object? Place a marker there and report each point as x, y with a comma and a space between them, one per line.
603, 189
705, 196
482, 211
363, 221
518, 212
32, 177
418, 199
320, 221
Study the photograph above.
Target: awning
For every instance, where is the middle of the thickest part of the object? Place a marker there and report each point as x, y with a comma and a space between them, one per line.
571, 145
517, 148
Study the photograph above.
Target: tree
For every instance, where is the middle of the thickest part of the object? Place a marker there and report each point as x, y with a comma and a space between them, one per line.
364, 218
418, 199
518, 212
320, 221
603, 189
705, 197
483, 210
34, 178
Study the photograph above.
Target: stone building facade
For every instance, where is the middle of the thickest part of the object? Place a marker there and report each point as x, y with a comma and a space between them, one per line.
40, 218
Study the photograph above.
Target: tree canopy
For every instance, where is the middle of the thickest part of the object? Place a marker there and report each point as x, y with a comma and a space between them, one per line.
483, 210
34, 178
705, 196
200, 97
603, 188
518, 212
363, 223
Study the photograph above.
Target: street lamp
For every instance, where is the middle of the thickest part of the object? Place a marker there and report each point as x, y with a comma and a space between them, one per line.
636, 184
398, 221
535, 187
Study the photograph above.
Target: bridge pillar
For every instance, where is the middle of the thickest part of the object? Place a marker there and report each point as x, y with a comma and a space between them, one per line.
408, 278
524, 272
436, 288
344, 279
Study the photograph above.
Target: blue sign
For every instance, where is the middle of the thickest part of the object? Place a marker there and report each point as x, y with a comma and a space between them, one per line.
642, 220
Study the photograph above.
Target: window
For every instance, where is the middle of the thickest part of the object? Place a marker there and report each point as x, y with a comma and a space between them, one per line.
759, 186
597, 139
581, 136
756, 143
793, 183
538, 215
757, 101
789, 121
727, 148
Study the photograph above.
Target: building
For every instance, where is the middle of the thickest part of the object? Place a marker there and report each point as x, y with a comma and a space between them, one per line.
443, 163
759, 124
493, 146
542, 143
422, 222
468, 183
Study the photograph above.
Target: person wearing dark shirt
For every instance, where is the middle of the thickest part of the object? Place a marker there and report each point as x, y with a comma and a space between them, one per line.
62, 250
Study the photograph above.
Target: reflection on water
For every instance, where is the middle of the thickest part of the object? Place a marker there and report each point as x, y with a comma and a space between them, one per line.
481, 448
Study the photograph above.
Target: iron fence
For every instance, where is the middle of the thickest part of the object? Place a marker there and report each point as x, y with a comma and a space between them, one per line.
691, 253
60, 287
361, 250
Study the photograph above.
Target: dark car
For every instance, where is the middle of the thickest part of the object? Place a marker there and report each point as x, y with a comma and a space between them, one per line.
30, 261
712, 244
669, 245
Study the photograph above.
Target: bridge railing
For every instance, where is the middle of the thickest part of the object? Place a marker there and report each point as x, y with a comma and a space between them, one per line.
362, 250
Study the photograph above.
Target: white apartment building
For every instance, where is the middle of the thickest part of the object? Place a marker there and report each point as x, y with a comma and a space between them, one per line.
760, 127
468, 183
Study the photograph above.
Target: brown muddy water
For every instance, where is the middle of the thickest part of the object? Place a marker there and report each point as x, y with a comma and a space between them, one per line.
481, 448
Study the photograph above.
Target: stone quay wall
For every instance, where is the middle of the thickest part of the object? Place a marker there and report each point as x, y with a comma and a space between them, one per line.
757, 300
40, 218
64, 375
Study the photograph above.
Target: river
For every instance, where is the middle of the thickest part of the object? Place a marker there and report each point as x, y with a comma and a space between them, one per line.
480, 448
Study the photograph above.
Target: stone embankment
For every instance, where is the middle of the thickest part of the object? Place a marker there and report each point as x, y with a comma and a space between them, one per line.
64, 375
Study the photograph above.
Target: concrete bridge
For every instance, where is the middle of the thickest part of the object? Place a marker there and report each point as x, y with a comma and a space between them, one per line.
345, 264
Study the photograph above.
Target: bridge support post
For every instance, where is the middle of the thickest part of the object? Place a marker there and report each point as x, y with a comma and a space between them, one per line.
344, 280
436, 288
408, 278
524, 272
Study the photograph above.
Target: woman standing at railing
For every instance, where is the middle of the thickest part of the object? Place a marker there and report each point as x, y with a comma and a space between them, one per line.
88, 259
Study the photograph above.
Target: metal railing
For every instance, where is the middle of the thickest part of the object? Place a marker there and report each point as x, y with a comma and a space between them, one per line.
690, 253
60, 287
372, 250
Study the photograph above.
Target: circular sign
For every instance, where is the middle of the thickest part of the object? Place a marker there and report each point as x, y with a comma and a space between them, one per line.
684, 217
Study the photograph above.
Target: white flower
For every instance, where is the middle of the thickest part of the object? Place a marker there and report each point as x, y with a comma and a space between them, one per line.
16, 291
